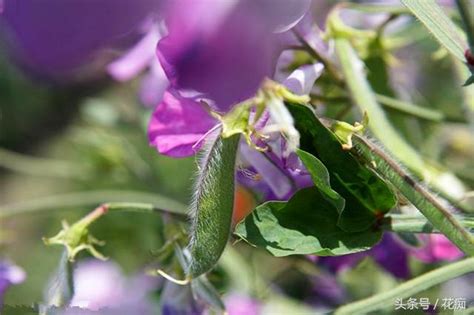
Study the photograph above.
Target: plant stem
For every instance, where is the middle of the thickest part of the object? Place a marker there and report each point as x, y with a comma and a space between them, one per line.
35, 166
152, 203
436, 212
401, 223
409, 288
408, 108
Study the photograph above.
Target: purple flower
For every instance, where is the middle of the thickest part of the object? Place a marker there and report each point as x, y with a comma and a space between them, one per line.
99, 285
224, 49
178, 124
60, 39
436, 247
390, 254
179, 300
238, 304
9, 275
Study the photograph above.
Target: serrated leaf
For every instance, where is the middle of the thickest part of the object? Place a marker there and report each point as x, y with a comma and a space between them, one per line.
307, 224
365, 193
438, 23
320, 176
213, 204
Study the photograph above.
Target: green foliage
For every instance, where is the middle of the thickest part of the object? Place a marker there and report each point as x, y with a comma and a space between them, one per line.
320, 177
213, 204
438, 23
365, 193
307, 224
364, 97
438, 214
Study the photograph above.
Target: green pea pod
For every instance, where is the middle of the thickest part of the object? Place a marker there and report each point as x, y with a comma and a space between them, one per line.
212, 204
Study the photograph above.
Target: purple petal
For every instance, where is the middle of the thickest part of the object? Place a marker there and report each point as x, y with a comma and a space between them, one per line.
225, 56
437, 248
136, 59
238, 304
178, 124
153, 85
389, 254
9, 275
274, 176
301, 80
283, 14
59, 38
99, 284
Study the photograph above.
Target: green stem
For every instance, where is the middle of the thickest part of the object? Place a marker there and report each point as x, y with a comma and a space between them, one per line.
409, 108
39, 166
89, 198
437, 213
401, 223
409, 288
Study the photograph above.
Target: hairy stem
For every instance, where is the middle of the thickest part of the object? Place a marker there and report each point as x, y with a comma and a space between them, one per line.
435, 211
402, 223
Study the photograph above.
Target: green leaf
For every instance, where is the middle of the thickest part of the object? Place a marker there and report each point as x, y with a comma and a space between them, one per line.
307, 224
320, 177
366, 194
213, 204
469, 81
438, 23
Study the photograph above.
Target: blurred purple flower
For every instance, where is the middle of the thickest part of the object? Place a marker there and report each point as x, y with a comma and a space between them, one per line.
59, 39
390, 254
239, 304
9, 275
99, 285
326, 292
178, 300
436, 247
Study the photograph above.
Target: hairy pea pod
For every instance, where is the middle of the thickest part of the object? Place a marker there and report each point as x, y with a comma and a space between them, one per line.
212, 204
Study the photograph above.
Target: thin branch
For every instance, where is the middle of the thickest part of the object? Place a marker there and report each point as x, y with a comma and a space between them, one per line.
436, 212
90, 198
408, 289
401, 223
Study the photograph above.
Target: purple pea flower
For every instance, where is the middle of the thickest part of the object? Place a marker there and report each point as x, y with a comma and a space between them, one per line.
224, 49
102, 285
9, 275
390, 254
436, 248
239, 304
72, 39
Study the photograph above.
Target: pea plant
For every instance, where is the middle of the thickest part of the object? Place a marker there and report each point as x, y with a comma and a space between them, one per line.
309, 151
